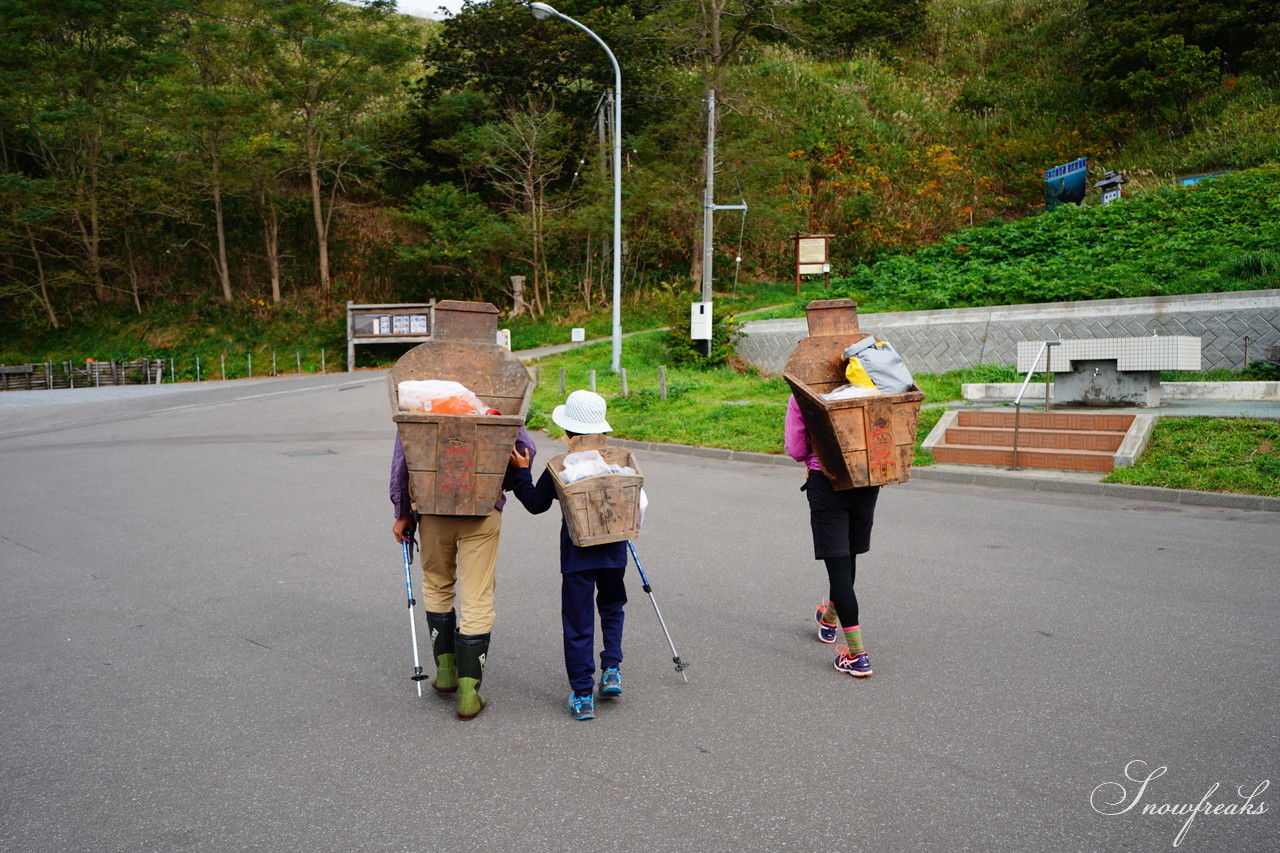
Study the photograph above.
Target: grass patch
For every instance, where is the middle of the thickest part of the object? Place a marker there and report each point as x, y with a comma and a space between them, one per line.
743, 410
651, 313
1237, 455
720, 407
724, 407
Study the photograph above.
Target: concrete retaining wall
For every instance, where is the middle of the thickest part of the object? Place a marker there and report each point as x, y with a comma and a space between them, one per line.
937, 341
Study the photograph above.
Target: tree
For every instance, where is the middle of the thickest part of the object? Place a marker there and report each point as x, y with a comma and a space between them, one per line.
841, 25
1173, 74
263, 159
461, 237
1245, 32
333, 94
22, 233
209, 106
70, 68
520, 158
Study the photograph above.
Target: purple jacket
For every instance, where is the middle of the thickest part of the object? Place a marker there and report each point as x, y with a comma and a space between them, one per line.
795, 437
400, 475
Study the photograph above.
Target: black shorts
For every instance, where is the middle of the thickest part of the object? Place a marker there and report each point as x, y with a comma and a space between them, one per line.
841, 521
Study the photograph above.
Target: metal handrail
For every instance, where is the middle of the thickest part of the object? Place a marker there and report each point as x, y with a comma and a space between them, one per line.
1048, 381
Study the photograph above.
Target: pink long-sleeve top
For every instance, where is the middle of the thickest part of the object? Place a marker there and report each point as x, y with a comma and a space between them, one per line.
795, 437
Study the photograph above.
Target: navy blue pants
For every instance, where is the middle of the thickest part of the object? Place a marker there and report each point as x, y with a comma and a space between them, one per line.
578, 614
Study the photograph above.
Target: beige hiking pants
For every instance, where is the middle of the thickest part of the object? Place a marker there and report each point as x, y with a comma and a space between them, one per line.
459, 558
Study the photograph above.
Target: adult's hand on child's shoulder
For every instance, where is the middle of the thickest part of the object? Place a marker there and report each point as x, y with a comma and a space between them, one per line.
521, 459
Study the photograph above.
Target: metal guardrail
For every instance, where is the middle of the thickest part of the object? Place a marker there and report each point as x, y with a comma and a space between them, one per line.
1046, 350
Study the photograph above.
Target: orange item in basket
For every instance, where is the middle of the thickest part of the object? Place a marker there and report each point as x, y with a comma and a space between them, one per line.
452, 406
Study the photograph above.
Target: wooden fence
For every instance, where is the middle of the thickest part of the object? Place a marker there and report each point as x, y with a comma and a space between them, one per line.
89, 374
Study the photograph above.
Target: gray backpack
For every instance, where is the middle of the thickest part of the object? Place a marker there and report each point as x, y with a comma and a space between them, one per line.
882, 364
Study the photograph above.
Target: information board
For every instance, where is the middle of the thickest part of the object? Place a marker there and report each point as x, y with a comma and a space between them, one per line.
812, 256
398, 323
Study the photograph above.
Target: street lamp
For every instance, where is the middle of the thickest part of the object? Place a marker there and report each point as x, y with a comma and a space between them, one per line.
543, 12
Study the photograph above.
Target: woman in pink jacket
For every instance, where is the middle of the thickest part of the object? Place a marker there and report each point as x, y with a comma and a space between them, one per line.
841, 522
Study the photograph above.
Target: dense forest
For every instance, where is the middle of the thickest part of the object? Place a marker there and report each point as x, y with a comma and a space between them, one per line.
262, 151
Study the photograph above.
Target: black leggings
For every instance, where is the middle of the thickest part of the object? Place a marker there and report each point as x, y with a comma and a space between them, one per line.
841, 572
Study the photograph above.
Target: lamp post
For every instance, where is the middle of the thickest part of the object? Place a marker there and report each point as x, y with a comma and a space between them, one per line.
543, 12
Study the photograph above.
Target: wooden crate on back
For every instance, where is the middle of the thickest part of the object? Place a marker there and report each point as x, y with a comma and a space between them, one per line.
601, 509
457, 462
863, 441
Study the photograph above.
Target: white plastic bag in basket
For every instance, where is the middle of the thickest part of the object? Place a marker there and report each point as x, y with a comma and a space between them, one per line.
438, 395
850, 392
589, 463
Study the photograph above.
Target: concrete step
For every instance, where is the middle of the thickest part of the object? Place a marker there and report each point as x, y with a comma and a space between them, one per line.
1036, 438
1099, 461
1058, 441
1091, 421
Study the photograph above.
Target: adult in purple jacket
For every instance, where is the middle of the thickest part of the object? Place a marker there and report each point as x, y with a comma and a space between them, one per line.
459, 560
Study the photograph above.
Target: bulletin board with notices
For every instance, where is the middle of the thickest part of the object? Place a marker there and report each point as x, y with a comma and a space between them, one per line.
398, 323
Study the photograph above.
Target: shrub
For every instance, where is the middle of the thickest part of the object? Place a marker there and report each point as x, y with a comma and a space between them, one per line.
687, 352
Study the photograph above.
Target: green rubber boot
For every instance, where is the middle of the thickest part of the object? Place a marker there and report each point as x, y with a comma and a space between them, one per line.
471, 650
443, 626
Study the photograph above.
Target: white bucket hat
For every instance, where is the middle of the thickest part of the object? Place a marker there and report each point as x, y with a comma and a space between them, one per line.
582, 413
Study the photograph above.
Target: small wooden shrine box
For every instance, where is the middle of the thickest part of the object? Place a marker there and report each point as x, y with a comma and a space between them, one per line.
864, 441
457, 462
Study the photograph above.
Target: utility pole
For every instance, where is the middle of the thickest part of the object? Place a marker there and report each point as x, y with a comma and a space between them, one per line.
702, 311
709, 198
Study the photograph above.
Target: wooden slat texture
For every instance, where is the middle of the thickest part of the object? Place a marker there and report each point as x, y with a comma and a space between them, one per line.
457, 462
602, 509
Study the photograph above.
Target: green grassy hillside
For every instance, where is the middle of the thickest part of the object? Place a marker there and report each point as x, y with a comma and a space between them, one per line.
1222, 234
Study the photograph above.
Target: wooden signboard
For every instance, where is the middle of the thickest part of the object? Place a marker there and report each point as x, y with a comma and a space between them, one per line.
863, 441
602, 509
812, 257
457, 462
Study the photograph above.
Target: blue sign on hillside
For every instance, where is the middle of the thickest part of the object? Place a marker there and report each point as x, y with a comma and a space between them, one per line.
1192, 180
1065, 184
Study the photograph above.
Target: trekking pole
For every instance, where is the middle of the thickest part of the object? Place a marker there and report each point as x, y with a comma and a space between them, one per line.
413, 630
681, 666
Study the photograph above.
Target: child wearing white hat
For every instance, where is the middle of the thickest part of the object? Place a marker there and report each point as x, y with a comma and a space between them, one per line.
585, 573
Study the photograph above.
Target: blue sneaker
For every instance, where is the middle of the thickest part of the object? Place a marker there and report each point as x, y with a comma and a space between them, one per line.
826, 633
610, 683
858, 665
582, 707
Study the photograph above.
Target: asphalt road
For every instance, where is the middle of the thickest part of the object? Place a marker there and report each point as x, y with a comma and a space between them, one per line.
203, 647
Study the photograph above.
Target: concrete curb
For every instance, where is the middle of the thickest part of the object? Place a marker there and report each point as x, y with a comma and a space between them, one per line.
1084, 485
1079, 484
1135, 441
707, 452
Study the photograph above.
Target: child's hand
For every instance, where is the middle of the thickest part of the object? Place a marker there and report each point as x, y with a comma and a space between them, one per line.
521, 460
